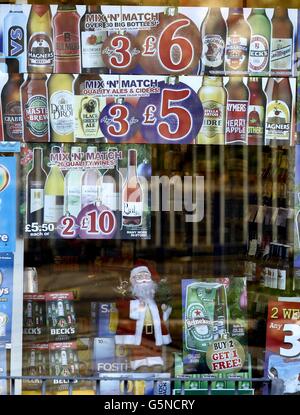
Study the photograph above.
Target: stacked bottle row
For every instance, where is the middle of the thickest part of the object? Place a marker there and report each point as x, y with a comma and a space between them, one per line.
49, 197
234, 40
237, 110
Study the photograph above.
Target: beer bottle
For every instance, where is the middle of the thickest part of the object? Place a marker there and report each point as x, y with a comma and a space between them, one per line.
238, 41
92, 37
213, 33
213, 98
278, 112
88, 108
35, 108
40, 55
61, 112
259, 54
237, 111
256, 112
66, 39
282, 43
11, 105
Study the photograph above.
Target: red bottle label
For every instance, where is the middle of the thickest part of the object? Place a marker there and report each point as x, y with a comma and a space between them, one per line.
67, 44
236, 125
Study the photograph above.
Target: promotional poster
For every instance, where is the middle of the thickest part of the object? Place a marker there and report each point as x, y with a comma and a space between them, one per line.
6, 293
63, 362
34, 317
61, 318
151, 40
214, 315
149, 109
35, 363
86, 192
282, 360
8, 204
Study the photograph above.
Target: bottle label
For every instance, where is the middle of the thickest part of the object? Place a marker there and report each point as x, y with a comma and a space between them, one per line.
281, 55
213, 121
236, 125
53, 208
67, 45
73, 199
15, 40
256, 122
259, 53
278, 121
36, 199
198, 325
91, 46
61, 112
132, 209
40, 50
236, 51
281, 279
89, 194
109, 196
87, 115
36, 115
13, 121
213, 50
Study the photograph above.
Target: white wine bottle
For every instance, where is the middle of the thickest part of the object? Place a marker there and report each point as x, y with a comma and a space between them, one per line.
72, 205
54, 194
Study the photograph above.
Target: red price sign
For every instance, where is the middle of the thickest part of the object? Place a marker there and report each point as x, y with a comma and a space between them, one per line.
96, 222
120, 53
175, 46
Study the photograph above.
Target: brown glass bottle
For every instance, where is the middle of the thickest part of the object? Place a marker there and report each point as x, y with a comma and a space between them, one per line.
278, 112
40, 57
213, 33
66, 39
237, 111
256, 112
132, 195
282, 42
11, 108
238, 42
92, 38
35, 108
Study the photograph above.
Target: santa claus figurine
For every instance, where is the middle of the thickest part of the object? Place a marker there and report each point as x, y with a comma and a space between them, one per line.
142, 322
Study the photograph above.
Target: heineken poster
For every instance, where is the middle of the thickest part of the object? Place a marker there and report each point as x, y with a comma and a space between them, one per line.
282, 358
214, 316
6, 293
86, 191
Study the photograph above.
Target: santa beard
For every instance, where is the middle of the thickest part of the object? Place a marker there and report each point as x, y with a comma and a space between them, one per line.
144, 291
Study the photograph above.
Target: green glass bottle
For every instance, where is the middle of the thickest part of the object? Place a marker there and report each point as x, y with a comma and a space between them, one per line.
259, 55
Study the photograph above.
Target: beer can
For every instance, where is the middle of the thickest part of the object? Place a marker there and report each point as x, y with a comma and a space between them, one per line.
30, 280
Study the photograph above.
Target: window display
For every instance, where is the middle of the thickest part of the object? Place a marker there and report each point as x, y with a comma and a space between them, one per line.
149, 166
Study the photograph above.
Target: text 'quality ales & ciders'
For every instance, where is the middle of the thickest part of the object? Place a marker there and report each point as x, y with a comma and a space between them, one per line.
40, 56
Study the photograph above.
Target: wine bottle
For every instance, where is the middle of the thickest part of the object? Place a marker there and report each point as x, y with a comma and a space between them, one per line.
132, 197
111, 186
73, 178
54, 194
36, 179
90, 183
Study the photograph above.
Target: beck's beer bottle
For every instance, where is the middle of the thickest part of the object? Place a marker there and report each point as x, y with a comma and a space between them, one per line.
259, 54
